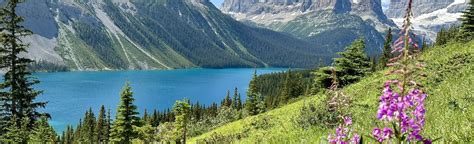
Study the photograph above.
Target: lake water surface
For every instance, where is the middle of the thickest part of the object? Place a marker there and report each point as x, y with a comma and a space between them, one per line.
70, 94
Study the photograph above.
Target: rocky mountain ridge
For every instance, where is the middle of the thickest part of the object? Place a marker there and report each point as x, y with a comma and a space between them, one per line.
321, 22
159, 34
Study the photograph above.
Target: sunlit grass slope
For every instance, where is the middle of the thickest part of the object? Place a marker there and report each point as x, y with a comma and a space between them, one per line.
450, 115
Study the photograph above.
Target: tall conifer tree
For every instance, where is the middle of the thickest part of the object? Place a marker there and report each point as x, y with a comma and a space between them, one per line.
101, 127
467, 20
126, 119
182, 110
387, 50
17, 96
354, 63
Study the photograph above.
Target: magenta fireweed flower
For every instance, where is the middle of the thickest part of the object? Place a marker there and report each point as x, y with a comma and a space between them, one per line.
408, 112
347, 120
343, 133
382, 135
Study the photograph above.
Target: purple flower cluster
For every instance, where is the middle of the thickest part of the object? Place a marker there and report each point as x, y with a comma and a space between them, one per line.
408, 112
342, 135
382, 135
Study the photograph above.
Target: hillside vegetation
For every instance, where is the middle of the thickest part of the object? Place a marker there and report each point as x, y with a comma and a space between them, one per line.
449, 105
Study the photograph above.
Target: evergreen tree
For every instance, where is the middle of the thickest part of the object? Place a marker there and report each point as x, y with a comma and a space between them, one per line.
146, 133
126, 119
101, 128
292, 87
354, 63
155, 120
77, 133
17, 96
16, 132
387, 50
286, 92
43, 132
181, 109
237, 102
227, 101
88, 133
68, 136
467, 20
108, 127
252, 96
373, 64
145, 118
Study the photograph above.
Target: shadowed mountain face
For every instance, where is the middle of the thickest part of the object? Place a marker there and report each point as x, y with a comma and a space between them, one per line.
158, 34
332, 24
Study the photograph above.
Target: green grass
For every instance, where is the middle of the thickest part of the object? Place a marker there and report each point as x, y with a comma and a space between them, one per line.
449, 84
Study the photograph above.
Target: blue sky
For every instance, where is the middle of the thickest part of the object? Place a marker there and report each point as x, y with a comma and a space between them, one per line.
219, 2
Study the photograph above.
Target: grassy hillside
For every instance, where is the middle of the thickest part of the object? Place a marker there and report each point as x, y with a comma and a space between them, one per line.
449, 105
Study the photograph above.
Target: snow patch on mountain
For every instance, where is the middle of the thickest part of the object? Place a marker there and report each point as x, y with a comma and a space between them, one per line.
429, 24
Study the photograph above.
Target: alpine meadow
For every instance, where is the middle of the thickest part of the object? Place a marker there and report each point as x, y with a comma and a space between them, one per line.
236, 71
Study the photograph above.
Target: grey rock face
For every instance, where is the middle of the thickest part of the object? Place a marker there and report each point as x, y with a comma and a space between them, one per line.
40, 19
397, 7
276, 6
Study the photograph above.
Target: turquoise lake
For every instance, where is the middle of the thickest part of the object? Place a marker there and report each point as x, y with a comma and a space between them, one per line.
70, 94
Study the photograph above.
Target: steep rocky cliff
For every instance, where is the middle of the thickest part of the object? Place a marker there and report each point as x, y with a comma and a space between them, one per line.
333, 24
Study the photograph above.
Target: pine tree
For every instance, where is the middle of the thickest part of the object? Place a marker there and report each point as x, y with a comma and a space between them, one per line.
181, 109
354, 63
467, 20
17, 96
43, 132
126, 119
387, 50
101, 127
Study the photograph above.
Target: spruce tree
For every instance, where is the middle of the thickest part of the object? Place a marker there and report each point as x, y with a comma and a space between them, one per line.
467, 20
77, 133
101, 128
353, 64
88, 133
252, 96
43, 133
386, 51
237, 102
108, 127
286, 92
181, 110
227, 101
126, 118
17, 96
